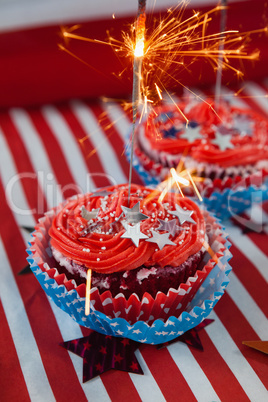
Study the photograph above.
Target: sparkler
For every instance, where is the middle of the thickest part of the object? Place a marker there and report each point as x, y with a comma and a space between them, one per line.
88, 287
137, 75
175, 40
178, 177
221, 47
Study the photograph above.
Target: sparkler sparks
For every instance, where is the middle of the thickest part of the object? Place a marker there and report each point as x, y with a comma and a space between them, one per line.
175, 42
178, 177
170, 43
137, 77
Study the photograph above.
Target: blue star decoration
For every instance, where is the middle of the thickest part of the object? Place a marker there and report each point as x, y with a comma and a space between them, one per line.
170, 133
101, 353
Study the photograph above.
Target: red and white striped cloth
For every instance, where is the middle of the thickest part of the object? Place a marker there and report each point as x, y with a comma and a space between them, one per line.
43, 160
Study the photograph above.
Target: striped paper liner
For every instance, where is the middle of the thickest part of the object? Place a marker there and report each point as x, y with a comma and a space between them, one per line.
152, 319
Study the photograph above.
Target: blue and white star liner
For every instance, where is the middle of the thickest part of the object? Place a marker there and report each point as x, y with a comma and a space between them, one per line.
158, 332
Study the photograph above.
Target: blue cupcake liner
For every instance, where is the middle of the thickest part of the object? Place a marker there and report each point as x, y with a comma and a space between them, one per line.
159, 331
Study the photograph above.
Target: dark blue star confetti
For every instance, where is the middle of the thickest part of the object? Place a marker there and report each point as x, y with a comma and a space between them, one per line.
193, 124
101, 353
171, 133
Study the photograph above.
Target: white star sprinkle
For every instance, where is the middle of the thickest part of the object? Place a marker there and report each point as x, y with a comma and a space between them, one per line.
169, 226
88, 215
223, 141
243, 125
184, 215
101, 193
192, 133
133, 233
160, 239
133, 215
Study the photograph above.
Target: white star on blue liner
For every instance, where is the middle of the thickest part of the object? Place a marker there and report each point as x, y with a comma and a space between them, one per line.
133, 215
161, 240
184, 215
134, 233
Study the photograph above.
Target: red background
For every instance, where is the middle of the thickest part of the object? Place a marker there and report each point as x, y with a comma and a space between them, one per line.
34, 71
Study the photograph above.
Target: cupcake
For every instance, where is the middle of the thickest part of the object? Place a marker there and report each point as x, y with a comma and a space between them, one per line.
227, 148
151, 261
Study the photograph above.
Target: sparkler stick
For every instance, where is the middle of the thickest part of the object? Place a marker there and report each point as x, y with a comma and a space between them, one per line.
220, 59
88, 287
137, 66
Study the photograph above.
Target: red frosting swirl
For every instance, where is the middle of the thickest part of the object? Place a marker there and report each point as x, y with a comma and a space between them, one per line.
98, 244
248, 146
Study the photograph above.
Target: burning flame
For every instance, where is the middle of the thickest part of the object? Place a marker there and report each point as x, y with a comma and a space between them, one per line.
178, 177
139, 48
